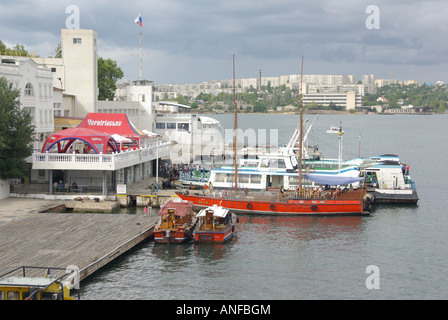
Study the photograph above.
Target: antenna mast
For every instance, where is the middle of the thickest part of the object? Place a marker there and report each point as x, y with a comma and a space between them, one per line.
140, 53
301, 130
235, 123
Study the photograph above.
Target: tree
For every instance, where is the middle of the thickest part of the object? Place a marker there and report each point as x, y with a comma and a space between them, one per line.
16, 133
108, 74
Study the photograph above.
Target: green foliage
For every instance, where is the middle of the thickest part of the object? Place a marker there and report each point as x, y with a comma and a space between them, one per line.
108, 74
424, 95
17, 50
16, 133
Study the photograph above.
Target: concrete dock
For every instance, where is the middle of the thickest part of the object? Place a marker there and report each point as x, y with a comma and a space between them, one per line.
33, 233
88, 241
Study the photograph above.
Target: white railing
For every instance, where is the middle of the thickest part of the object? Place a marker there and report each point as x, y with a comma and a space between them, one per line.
114, 161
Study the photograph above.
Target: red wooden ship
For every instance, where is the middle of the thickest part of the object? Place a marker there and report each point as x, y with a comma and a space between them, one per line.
275, 202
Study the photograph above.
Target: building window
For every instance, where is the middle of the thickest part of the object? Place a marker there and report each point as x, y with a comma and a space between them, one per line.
182, 127
171, 126
160, 125
29, 89
76, 40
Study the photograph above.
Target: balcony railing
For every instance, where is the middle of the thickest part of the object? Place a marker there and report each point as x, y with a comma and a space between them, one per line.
114, 161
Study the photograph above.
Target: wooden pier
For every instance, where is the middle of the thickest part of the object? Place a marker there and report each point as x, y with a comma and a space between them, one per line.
87, 241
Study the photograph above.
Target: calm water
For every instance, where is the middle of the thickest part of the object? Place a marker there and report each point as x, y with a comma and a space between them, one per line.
312, 258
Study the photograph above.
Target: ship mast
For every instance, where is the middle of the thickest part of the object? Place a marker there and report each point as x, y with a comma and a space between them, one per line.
235, 123
301, 130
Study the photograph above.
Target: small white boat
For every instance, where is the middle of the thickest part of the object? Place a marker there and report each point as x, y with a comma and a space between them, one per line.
334, 129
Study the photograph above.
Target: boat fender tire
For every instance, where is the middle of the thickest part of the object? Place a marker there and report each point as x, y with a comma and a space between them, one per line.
249, 206
314, 207
272, 207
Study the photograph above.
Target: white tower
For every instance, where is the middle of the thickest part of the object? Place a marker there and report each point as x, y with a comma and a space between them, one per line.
80, 60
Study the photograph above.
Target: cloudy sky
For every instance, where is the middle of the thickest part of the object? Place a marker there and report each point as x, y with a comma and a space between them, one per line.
190, 41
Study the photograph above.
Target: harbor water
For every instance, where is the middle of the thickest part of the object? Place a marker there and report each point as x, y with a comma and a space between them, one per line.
286, 258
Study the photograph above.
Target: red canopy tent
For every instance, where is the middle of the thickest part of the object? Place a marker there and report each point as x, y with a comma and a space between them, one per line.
114, 123
96, 140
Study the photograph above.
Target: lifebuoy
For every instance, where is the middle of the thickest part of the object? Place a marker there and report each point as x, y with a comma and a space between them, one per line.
314, 207
272, 207
249, 205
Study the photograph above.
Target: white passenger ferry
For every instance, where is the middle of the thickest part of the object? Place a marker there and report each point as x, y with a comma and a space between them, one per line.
277, 171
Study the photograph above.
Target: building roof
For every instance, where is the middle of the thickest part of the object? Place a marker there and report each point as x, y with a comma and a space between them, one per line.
97, 140
111, 123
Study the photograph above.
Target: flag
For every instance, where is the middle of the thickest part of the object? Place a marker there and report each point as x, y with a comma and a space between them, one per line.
139, 20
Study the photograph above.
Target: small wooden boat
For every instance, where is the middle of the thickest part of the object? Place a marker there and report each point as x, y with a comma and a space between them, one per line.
216, 225
25, 283
177, 222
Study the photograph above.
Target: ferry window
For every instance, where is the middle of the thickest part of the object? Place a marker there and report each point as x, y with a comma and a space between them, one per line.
182, 127
13, 295
255, 178
244, 178
264, 163
220, 177
160, 125
171, 126
2, 295
281, 163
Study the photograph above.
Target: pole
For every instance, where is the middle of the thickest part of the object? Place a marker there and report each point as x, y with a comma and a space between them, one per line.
157, 165
301, 130
140, 53
359, 146
235, 124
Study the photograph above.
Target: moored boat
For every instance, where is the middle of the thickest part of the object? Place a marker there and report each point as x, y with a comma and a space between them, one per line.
389, 183
38, 283
216, 224
306, 200
176, 224
274, 201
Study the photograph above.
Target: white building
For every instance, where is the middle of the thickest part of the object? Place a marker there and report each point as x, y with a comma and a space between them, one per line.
192, 135
68, 86
35, 83
348, 100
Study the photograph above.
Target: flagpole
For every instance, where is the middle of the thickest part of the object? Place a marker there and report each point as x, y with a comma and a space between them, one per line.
140, 53
139, 21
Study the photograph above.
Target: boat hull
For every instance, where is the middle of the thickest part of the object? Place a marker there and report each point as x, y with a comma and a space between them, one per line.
396, 196
290, 207
173, 236
214, 236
